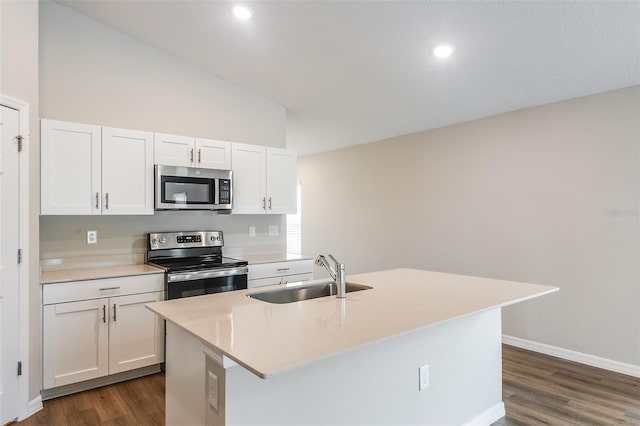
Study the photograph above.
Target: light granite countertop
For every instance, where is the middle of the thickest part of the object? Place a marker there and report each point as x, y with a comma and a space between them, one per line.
81, 274
268, 339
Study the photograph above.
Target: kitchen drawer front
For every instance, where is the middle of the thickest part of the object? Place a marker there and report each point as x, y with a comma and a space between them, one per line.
279, 269
95, 289
296, 278
261, 282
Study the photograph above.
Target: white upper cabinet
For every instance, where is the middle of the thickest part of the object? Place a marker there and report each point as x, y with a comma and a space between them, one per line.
88, 170
249, 178
282, 179
173, 150
213, 154
70, 168
264, 180
127, 171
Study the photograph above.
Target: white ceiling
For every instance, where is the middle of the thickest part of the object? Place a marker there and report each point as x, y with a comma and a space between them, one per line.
352, 72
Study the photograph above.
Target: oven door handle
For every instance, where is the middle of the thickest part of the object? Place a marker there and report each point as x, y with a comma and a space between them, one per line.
201, 275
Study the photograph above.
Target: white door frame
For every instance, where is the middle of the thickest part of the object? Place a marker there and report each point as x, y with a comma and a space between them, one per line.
24, 409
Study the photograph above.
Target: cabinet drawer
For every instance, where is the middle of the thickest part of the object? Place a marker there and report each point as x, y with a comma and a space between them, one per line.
296, 278
278, 269
95, 289
262, 282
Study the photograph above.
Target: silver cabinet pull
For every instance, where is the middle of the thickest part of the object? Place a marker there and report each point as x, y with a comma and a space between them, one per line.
104, 313
114, 312
97, 200
269, 203
282, 269
264, 203
109, 288
191, 156
199, 156
106, 201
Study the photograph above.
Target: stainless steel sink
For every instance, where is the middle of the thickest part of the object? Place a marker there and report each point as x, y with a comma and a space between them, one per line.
304, 292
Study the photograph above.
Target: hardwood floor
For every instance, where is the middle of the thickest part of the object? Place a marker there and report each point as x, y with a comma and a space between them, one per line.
537, 390
542, 390
135, 402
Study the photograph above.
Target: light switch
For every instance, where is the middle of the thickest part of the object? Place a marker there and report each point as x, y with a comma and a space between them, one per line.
252, 231
92, 237
273, 230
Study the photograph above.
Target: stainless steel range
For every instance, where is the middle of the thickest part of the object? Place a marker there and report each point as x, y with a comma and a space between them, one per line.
194, 263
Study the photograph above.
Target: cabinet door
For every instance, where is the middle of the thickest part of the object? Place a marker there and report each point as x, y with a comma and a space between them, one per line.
173, 150
281, 181
70, 168
136, 335
127, 172
249, 178
75, 342
212, 154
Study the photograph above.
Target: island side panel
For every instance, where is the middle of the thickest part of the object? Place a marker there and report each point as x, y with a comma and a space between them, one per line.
185, 381
378, 384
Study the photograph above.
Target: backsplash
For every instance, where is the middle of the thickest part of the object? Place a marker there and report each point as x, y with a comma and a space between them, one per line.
122, 239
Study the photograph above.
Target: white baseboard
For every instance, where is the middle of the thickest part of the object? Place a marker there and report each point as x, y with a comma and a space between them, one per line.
488, 416
34, 406
582, 358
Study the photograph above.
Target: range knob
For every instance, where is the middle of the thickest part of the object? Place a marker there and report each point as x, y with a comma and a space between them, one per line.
163, 240
154, 241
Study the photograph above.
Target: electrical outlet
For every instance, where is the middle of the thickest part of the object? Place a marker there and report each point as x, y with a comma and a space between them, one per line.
92, 237
213, 391
273, 230
423, 373
252, 231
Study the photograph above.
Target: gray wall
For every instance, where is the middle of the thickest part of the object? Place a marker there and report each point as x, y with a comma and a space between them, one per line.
19, 79
546, 195
91, 73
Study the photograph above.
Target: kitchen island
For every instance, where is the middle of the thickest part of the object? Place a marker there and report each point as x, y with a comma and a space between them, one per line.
232, 359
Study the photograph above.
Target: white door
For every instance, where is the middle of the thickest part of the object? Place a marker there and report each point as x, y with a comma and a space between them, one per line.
249, 178
135, 333
70, 168
75, 342
173, 150
282, 181
9, 291
212, 154
127, 172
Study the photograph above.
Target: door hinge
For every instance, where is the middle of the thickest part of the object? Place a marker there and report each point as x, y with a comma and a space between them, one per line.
19, 368
19, 138
19, 255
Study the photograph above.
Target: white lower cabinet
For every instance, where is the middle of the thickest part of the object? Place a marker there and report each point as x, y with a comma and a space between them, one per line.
273, 273
108, 334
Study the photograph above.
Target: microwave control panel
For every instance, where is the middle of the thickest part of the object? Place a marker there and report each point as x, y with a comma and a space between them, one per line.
225, 191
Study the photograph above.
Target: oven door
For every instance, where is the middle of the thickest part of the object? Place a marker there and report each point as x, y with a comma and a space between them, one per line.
189, 284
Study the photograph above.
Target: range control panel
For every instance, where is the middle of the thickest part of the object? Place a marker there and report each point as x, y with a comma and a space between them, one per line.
185, 239
169, 240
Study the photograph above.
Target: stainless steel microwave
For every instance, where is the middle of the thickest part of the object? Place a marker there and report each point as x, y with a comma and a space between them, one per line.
191, 188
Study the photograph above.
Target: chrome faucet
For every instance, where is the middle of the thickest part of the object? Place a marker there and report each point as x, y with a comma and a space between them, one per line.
337, 273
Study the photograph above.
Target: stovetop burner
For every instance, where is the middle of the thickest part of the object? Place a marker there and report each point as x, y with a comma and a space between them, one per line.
198, 263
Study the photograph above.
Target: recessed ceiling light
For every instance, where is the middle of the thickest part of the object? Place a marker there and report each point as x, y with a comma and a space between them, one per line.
242, 12
443, 50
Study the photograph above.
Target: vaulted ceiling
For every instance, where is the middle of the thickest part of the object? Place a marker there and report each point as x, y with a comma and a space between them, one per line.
352, 72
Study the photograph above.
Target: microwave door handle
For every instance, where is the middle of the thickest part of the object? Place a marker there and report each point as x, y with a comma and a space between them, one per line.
216, 191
